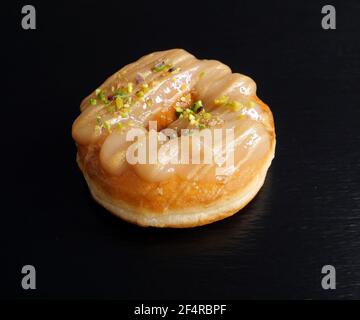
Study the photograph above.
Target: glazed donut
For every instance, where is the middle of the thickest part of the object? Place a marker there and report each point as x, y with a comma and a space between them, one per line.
174, 98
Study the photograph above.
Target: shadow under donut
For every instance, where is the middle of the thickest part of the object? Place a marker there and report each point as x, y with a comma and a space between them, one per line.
215, 238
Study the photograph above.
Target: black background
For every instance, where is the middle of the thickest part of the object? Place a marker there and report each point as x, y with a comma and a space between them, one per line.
307, 214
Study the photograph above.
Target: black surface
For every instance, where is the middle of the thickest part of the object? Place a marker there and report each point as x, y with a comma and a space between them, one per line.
307, 214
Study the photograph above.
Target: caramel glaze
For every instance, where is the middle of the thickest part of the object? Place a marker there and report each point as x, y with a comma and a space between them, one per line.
101, 153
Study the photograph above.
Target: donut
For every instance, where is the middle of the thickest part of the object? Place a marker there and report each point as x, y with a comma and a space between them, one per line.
174, 141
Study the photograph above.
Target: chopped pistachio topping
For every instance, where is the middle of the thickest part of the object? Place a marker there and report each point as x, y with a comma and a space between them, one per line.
140, 94
197, 116
179, 111
202, 74
130, 87
221, 100
111, 108
93, 101
235, 105
149, 102
183, 86
118, 105
119, 102
97, 129
197, 106
161, 66
107, 125
144, 74
124, 114
143, 90
102, 97
207, 115
232, 104
120, 93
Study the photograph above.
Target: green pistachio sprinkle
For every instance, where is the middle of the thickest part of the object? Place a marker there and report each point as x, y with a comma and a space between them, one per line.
98, 129
178, 111
119, 102
111, 108
162, 66
120, 93
140, 94
102, 97
202, 74
207, 115
107, 125
197, 106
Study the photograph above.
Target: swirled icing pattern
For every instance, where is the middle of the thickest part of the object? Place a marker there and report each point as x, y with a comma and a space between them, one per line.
159, 86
